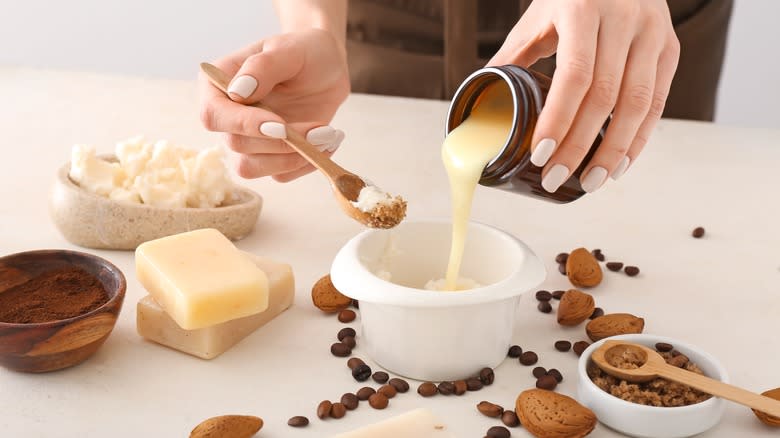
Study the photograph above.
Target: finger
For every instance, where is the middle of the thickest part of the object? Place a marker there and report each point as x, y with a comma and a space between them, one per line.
289, 176
219, 113
260, 165
262, 71
633, 104
316, 133
614, 39
577, 33
532, 38
667, 65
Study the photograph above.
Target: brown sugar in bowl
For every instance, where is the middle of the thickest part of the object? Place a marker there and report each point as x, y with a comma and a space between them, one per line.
53, 345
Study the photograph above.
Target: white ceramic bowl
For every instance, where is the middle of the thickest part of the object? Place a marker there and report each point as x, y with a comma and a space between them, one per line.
428, 335
649, 421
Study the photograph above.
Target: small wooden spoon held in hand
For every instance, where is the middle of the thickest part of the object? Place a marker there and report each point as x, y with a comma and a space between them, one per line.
653, 365
346, 185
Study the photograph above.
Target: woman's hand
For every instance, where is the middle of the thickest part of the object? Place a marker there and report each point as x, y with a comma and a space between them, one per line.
611, 54
303, 77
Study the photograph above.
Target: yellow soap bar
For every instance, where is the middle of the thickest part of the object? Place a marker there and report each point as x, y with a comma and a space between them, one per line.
419, 423
200, 278
207, 343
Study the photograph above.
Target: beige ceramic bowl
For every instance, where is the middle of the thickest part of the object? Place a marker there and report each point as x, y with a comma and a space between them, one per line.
92, 221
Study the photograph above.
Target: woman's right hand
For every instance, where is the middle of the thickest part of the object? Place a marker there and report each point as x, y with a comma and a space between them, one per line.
301, 75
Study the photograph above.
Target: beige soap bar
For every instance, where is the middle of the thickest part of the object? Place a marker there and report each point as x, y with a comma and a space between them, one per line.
207, 343
419, 423
200, 278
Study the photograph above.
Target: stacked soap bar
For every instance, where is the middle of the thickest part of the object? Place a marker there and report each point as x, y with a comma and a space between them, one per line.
419, 423
204, 294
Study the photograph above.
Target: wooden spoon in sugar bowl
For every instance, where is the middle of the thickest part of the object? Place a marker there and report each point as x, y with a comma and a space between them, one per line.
346, 185
653, 365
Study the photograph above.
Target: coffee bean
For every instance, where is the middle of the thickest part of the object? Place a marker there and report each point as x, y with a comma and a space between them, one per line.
614, 266
361, 373
490, 409
388, 391
544, 306
555, 373
340, 349
354, 361
323, 410
350, 401
487, 376
562, 345
474, 384
698, 232
355, 303
380, 377
349, 341
498, 432
598, 311
378, 401
461, 387
663, 347
338, 410
562, 257
529, 358
346, 331
446, 388
298, 421
539, 372
543, 295
547, 382
631, 271
509, 418
514, 351
365, 392
558, 294
598, 255
562, 268
579, 347
347, 315
400, 385
427, 389
675, 352
678, 361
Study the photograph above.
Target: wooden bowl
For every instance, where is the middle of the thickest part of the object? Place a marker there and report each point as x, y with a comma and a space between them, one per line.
93, 221
54, 345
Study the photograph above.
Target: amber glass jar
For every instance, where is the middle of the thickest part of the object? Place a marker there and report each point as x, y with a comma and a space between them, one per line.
512, 169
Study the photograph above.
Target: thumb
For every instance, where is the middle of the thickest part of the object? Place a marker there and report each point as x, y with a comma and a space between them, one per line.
261, 72
525, 45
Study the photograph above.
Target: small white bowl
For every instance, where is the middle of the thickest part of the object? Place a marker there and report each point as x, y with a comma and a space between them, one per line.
429, 335
93, 221
650, 421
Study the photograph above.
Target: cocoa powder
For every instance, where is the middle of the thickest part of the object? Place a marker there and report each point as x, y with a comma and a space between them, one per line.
51, 296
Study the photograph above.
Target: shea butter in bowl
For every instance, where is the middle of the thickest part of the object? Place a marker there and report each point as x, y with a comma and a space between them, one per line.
435, 335
640, 420
157, 191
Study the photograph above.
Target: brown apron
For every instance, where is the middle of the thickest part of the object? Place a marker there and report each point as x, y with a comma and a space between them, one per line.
425, 48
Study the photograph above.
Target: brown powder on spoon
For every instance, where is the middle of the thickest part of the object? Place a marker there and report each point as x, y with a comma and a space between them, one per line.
387, 214
54, 295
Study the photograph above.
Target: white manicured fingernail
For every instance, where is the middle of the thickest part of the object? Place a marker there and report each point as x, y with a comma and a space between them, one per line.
243, 85
555, 177
337, 142
543, 152
273, 130
321, 135
621, 168
594, 179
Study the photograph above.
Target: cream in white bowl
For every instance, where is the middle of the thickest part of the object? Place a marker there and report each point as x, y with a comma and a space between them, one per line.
650, 421
432, 335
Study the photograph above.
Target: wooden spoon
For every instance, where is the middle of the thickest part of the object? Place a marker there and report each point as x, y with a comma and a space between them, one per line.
346, 185
654, 365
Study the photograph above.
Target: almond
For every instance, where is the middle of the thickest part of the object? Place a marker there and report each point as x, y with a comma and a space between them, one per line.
583, 269
547, 414
575, 307
327, 298
614, 324
763, 416
228, 426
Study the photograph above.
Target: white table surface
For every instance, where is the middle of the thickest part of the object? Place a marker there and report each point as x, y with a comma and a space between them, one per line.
720, 292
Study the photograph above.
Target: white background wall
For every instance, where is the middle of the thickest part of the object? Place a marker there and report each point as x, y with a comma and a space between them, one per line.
167, 38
